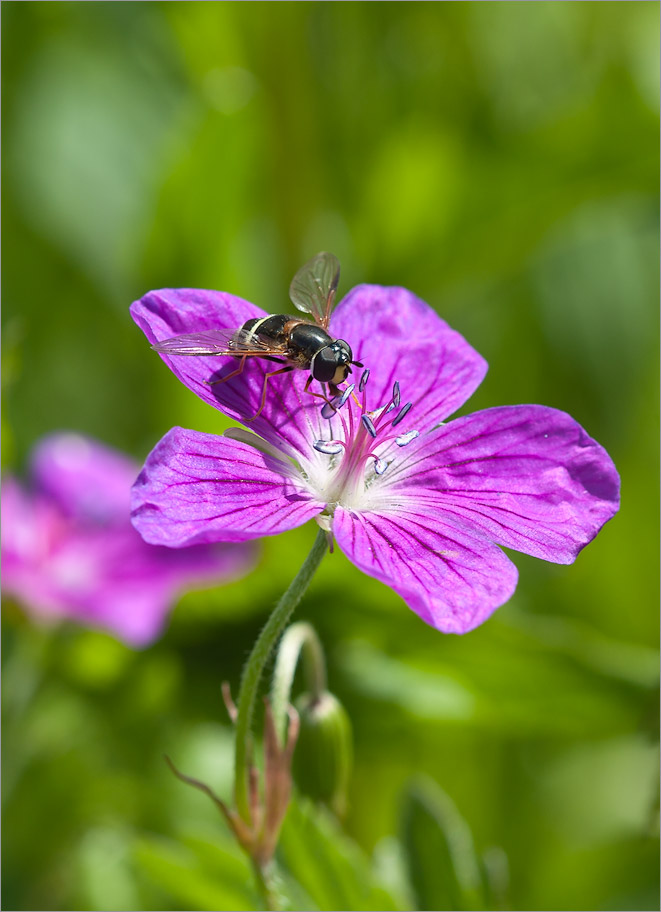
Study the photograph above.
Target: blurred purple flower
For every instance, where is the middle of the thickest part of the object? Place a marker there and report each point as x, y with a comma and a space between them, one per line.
69, 550
418, 504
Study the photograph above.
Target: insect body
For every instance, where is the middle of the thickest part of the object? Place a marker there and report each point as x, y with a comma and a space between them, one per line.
296, 343
307, 345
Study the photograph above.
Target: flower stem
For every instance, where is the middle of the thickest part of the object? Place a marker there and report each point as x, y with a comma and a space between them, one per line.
265, 887
254, 667
299, 640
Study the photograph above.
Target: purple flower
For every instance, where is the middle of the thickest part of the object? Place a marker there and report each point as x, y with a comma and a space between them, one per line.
419, 504
69, 550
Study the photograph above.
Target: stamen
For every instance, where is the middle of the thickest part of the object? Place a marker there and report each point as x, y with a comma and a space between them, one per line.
329, 409
329, 447
380, 466
406, 438
345, 395
368, 424
402, 413
349, 474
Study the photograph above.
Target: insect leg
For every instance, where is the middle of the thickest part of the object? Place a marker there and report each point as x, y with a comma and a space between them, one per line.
306, 389
336, 391
267, 377
234, 373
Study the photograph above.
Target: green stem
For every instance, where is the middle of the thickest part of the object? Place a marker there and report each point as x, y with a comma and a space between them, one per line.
254, 667
299, 639
264, 886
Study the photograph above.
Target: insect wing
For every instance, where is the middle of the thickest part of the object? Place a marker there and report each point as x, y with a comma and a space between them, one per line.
217, 342
313, 288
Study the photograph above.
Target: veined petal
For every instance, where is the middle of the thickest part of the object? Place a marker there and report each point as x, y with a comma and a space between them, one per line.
173, 311
291, 418
399, 337
526, 477
199, 488
452, 579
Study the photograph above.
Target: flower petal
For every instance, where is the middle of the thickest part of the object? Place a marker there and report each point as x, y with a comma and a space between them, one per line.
526, 477
28, 528
200, 488
291, 418
452, 579
86, 479
138, 584
106, 577
174, 311
399, 337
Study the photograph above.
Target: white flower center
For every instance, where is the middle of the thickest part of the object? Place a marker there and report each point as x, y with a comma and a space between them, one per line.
361, 445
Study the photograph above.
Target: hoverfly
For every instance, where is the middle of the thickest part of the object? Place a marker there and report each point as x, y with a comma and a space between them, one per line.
296, 343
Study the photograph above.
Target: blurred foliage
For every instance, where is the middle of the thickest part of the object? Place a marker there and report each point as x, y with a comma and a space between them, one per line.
500, 160
443, 867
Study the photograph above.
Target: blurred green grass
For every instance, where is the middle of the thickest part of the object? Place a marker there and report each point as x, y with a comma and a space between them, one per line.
501, 161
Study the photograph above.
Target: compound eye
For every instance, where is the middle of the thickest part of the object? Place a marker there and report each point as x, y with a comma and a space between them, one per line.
343, 352
324, 365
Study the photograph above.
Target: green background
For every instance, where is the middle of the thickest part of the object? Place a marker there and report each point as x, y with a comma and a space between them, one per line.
501, 161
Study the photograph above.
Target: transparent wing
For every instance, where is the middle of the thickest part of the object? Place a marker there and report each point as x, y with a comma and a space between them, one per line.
313, 288
219, 342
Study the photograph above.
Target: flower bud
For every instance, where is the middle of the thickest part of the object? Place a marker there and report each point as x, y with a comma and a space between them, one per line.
323, 755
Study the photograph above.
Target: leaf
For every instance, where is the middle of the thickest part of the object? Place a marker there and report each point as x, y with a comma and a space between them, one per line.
198, 874
328, 865
443, 868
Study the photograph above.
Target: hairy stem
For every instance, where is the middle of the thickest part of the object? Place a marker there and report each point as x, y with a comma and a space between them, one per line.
254, 667
299, 640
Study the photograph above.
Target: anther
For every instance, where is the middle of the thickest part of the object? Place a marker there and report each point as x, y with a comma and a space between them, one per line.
395, 393
345, 395
406, 438
380, 466
368, 424
363, 380
329, 409
403, 412
329, 447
